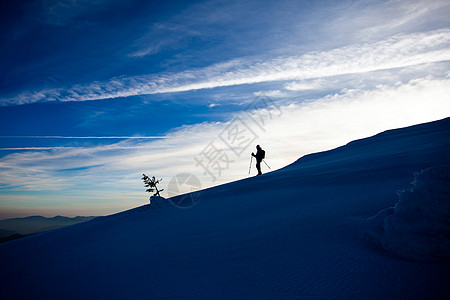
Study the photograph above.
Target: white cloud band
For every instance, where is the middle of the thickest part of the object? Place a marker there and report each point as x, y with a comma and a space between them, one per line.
396, 52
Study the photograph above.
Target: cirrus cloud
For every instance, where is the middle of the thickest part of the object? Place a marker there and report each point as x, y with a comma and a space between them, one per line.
395, 52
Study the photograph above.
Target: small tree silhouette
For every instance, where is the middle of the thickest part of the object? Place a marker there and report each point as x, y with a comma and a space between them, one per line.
151, 183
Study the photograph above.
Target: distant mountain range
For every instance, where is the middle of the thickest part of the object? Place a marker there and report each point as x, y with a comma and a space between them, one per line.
11, 229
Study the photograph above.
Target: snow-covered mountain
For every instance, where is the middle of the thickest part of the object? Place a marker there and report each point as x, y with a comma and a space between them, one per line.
323, 227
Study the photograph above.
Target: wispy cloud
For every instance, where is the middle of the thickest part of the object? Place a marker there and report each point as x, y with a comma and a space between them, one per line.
271, 93
205, 20
65, 148
316, 84
32, 148
396, 16
163, 36
396, 52
63, 12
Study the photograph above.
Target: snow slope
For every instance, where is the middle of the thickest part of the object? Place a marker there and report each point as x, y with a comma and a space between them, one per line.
298, 232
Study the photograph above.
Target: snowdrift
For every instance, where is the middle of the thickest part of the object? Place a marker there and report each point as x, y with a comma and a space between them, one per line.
418, 227
158, 202
297, 232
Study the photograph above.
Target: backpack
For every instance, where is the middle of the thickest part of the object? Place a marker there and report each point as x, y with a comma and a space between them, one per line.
263, 154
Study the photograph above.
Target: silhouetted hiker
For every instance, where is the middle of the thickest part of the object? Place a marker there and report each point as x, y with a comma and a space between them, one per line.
260, 155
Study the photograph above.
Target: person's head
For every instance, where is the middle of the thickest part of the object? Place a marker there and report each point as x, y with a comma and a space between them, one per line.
258, 147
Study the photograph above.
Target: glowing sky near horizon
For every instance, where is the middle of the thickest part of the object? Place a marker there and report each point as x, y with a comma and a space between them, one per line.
95, 93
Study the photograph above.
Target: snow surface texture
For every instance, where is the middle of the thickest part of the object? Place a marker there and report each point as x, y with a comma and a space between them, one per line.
294, 233
418, 227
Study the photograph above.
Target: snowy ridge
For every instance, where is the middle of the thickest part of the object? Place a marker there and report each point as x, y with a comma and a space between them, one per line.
293, 233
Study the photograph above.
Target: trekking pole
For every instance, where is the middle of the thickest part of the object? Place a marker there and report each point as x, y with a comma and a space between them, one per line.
266, 164
251, 158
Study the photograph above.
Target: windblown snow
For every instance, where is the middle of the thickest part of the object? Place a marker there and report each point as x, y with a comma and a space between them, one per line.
418, 227
296, 233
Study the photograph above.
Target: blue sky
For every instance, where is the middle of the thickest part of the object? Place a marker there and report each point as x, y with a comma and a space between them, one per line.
95, 93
